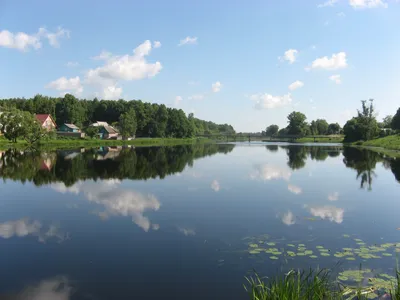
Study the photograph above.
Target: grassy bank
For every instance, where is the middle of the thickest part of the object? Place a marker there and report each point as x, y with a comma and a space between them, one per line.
318, 285
391, 142
78, 143
322, 139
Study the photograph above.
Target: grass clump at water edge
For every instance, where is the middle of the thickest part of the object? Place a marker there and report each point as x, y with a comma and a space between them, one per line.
312, 285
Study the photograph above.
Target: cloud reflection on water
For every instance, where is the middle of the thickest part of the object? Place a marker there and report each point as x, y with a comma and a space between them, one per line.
116, 201
331, 213
266, 172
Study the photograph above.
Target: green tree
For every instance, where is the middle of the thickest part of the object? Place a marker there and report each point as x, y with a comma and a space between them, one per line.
297, 123
396, 120
322, 126
127, 123
272, 130
69, 110
387, 122
334, 128
92, 131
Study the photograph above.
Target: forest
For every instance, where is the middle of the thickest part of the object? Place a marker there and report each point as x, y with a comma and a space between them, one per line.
145, 119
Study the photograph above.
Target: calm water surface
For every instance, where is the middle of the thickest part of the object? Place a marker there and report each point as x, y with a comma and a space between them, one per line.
189, 222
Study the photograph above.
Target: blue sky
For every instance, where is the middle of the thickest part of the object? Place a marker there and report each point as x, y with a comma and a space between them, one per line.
246, 63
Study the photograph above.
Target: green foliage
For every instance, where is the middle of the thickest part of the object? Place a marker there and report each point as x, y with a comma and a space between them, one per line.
272, 130
297, 123
92, 131
127, 123
153, 120
396, 120
387, 122
364, 126
20, 124
334, 128
319, 127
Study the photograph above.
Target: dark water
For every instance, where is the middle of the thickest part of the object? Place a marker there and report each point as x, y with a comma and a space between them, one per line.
179, 222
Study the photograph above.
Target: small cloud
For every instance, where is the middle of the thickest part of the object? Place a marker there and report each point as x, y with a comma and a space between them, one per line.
267, 101
215, 186
336, 79
341, 14
328, 3
187, 231
156, 44
335, 62
288, 218
178, 100
216, 87
296, 85
361, 4
333, 196
188, 41
331, 213
64, 84
104, 55
295, 189
72, 64
290, 55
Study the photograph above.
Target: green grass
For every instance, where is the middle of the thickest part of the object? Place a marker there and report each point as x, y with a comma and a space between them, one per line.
321, 139
391, 142
310, 285
74, 143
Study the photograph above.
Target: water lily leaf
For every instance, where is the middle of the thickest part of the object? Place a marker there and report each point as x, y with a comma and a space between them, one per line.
254, 252
291, 253
302, 245
308, 252
387, 254
274, 257
323, 250
319, 247
346, 235
253, 246
301, 254
358, 240
324, 254
350, 258
343, 278
271, 244
291, 245
313, 256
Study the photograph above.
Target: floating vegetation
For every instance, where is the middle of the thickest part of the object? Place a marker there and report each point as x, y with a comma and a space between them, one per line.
324, 254
274, 257
350, 258
313, 256
291, 253
254, 252
308, 252
253, 246
271, 244
387, 254
346, 235
291, 245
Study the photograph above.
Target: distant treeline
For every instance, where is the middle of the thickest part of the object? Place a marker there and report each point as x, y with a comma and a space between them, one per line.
126, 163
152, 120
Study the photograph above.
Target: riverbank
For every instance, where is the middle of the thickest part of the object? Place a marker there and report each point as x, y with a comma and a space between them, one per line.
81, 143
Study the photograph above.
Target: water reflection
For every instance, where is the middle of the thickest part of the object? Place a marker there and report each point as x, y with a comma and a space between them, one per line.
330, 213
266, 172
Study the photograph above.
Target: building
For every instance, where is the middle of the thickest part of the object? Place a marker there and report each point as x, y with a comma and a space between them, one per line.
46, 121
69, 128
106, 131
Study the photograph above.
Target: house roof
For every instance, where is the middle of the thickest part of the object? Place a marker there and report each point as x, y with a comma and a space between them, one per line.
72, 126
43, 117
110, 129
99, 123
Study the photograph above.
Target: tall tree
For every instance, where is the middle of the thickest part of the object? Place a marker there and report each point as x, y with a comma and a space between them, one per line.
272, 130
127, 123
396, 120
334, 128
297, 123
364, 126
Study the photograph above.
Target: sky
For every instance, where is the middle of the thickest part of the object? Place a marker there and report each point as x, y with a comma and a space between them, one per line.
245, 63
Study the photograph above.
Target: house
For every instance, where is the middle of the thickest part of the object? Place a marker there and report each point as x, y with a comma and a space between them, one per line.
106, 131
69, 128
46, 121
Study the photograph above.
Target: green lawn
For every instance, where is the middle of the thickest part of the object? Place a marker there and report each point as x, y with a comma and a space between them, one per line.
389, 142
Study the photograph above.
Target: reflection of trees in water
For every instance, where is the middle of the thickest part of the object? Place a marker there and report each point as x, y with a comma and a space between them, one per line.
395, 167
272, 148
139, 163
296, 157
364, 162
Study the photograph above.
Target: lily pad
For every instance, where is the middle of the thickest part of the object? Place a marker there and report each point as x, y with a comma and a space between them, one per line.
308, 252
387, 254
271, 244
350, 258
291, 245
346, 235
253, 246
301, 254
274, 257
291, 253
324, 254
358, 240
319, 247
313, 256
254, 252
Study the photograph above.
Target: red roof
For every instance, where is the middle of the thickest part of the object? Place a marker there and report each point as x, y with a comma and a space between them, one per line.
42, 118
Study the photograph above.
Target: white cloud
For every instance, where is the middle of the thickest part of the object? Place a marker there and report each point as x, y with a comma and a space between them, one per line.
267, 101
216, 87
215, 185
294, 189
290, 55
23, 41
328, 3
288, 218
336, 78
188, 41
53, 37
186, 231
20, 40
126, 67
178, 100
72, 64
156, 44
268, 172
367, 3
341, 14
331, 213
295, 85
104, 55
111, 92
72, 85
333, 196
24, 227
57, 288
116, 201
337, 61
196, 97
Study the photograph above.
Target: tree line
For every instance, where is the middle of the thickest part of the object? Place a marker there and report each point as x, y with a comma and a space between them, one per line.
132, 117
364, 126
